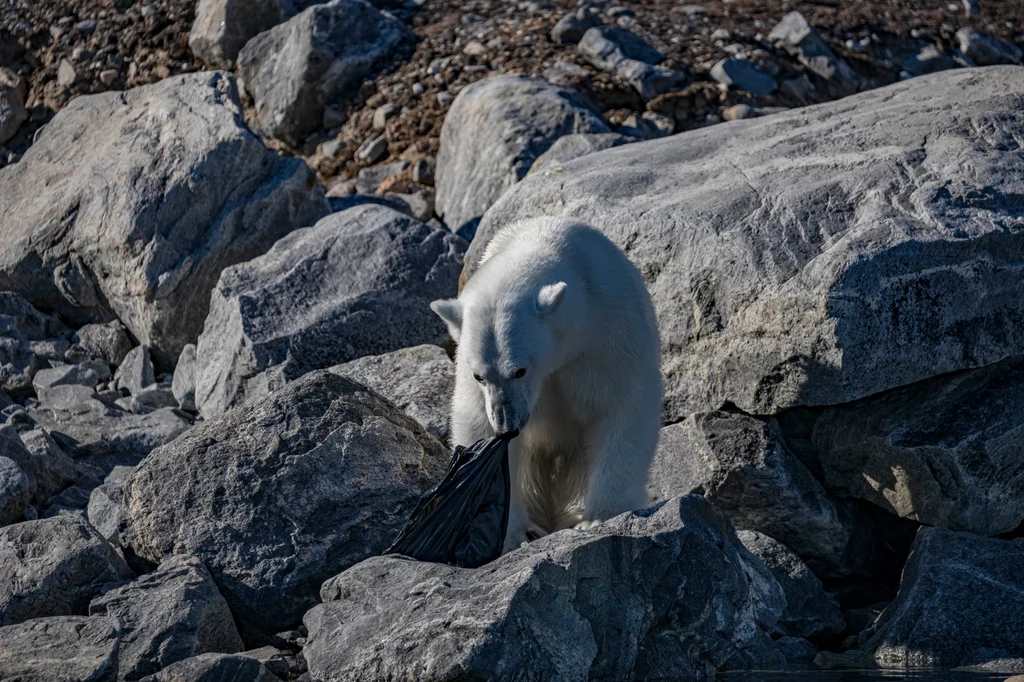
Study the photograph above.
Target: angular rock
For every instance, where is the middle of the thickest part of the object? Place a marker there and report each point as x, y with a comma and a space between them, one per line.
677, 595
569, 29
222, 27
49, 467
356, 283
494, 131
23, 331
168, 615
961, 602
183, 385
151, 399
569, 147
744, 468
810, 611
214, 668
103, 217
79, 375
768, 295
279, 495
795, 36
987, 50
743, 75
946, 452
418, 380
107, 506
60, 649
320, 56
12, 104
53, 567
622, 52
16, 491
135, 371
107, 342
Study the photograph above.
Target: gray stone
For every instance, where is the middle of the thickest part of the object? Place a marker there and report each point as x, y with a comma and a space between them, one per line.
373, 149
569, 29
810, 611
107, 342
423, 171
667, 592
12, 104
357, 283
103, 217
16, 490
135, 372
418, 380
67, 374
183, 385
222, 27
106, 504
384, 112
151, 399
494, 131
744, 468
273, 659
54, 567
987, 50
61, 649
279, 495
627, 55
320, 56
168, 615
961, 602
66, 74
647, 126
796, 36
789, 266
47, 465
927, 60
375, 175
215, 668
569, 147
743, 75
946, 452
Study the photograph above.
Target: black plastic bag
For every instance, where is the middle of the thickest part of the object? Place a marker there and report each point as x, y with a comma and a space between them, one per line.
463, 519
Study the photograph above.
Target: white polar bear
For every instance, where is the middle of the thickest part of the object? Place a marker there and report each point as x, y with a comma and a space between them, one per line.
557, 339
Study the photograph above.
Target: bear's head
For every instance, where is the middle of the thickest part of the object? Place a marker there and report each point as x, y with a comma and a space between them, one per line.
512, 332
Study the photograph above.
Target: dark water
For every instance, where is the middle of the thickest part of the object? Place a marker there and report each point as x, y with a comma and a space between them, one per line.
921, 675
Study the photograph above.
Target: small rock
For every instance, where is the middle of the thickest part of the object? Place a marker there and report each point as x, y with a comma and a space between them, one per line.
570, 29
332, 148
474, 49
50, 469
151, 399
737, 112
12, 104
374, 176
373, 149
423, 171
743, 75
183, 385
418, 89
66, 74
445, 97
273, 660
796, 36
987, 50
80, 375
15, 492
214, 668
647, 126
382, 113
135, 371
619, 51
87, 26
106, 504
108, 76
108, 341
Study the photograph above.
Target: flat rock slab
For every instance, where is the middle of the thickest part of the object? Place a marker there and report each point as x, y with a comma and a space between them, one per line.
946, 452
214, 668
60, 649
277, 496
820, 255
418, 380
357, 283
668, 592
494, 131
961, 602
54, 567
130, 204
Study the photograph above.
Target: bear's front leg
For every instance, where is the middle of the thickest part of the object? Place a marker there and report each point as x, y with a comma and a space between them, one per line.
520, 528
620, 456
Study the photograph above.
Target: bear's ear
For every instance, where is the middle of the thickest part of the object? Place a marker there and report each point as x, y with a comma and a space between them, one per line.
449, 310
550, 296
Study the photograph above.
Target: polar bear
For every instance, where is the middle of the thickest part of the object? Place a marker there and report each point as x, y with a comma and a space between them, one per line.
557, 339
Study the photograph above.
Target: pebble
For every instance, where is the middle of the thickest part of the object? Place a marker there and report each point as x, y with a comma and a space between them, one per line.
423, 171
108, 77
418, 89
66, 74
373, 149
445, 97
474, 49
332, 148
737, 112
87, 26
382, 113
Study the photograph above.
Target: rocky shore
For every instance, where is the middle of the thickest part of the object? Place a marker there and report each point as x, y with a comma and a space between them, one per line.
222, 390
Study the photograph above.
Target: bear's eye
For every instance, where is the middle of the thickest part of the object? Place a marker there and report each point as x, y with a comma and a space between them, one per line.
478, 378
519, 373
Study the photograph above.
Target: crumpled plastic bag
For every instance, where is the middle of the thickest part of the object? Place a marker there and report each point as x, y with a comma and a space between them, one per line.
462, 520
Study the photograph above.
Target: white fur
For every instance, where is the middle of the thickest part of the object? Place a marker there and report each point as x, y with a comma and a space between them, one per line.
560, 300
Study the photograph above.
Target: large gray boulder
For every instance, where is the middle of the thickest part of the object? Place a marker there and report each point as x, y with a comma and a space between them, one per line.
946, 452
418, 380
743, 466
222, 27
215, 668
277, 496
494, 131
16, 490
961, 602
810, 611
820, 255
54, 567
129, 205
318, 57
60, 649
357, 283
667, 592
168, 615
